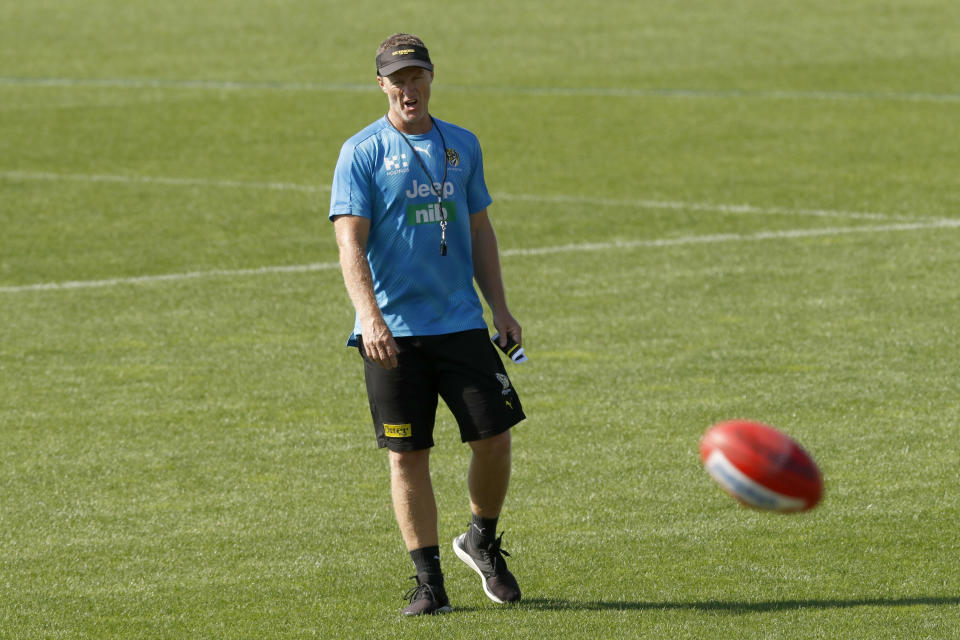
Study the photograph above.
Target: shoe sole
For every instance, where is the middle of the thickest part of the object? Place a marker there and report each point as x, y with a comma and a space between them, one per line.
441, 610
467, 560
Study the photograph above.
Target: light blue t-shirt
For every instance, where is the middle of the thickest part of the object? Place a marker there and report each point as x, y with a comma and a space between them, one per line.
378, 176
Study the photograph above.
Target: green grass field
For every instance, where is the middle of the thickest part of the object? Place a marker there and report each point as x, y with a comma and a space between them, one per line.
706, 210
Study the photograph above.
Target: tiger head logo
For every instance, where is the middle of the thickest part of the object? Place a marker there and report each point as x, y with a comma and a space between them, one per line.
453, 158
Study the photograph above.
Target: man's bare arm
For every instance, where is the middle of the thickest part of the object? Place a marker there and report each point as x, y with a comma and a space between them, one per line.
486, 271
378, 342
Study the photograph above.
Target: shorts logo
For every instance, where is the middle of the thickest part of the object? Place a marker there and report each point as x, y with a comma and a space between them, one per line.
397, 430
505, 382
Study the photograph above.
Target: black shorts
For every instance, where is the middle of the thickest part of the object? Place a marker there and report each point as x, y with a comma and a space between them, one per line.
462, 368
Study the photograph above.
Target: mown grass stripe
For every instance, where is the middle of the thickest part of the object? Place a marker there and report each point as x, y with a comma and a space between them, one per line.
575, 92
534, 251
529, 197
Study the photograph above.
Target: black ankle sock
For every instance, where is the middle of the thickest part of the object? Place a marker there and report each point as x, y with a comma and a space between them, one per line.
427, 561
483, 531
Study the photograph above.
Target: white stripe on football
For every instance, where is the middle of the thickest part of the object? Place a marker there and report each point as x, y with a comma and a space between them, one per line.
743, 488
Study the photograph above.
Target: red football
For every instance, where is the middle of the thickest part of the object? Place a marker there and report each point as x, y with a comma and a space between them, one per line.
761, 467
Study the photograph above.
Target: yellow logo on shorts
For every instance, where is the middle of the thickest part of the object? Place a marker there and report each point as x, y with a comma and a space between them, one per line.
397, 430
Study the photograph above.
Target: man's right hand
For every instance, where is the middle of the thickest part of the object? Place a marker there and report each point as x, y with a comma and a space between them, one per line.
379, 345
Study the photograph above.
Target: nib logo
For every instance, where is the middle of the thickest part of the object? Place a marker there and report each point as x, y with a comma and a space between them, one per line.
431, 213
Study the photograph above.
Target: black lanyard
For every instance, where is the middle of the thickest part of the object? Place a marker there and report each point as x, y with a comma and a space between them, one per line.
433, 187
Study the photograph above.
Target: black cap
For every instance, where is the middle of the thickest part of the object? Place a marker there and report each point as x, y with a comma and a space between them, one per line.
401, 56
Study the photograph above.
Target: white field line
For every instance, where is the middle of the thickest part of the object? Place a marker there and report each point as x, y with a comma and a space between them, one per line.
167, 277
557, 199
509, 253
604, 92
786, 234
159, 180
701, 206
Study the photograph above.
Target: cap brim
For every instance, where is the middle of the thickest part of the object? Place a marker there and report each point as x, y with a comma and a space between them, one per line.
393, 67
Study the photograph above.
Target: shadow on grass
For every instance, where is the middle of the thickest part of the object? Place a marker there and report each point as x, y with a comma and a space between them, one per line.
557, 604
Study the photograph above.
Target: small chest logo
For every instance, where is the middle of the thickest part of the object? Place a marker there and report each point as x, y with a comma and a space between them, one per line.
395, 164
424, 149
453, 158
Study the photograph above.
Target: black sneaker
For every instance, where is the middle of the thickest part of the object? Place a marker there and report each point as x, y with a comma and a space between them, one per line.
498, 583
426, 599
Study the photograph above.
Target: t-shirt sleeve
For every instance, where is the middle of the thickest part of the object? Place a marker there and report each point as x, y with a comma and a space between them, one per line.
350, 194
478, 198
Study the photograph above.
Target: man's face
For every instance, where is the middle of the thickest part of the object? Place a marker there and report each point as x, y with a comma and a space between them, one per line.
408, 91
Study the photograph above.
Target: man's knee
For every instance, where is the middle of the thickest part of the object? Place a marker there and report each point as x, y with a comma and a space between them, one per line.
497, 446
409, 461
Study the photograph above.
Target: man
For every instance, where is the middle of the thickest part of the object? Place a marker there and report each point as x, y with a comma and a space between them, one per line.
409, 208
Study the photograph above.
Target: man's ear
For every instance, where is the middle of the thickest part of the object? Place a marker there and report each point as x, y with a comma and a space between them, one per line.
380, 82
